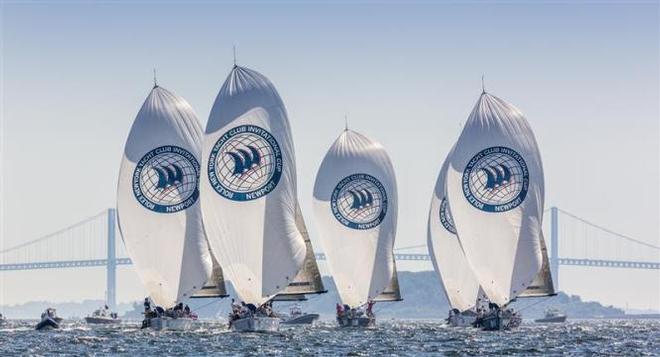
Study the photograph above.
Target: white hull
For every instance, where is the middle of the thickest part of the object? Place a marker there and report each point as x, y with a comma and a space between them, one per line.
168, 323
552, 319
367, 322
98, 320
256, 324
305, 319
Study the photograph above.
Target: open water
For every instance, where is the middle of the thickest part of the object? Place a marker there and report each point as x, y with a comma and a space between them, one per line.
390, 338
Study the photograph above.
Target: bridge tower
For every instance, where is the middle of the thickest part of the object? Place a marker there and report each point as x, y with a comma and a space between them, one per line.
111, 267
554, 246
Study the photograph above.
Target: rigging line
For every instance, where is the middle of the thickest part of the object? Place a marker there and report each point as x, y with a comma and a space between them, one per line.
535, 303
619, 235
75, 225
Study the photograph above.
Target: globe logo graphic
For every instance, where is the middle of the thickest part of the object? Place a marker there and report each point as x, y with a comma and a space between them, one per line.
445, 216
166, 179
359, 201
496, 179
245, 163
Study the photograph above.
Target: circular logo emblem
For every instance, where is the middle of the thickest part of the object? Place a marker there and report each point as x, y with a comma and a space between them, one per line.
445, 216
496, 179
245, 163
166, 179
359, 201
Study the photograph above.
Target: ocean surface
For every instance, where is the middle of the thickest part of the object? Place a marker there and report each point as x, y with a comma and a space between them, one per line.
389, 338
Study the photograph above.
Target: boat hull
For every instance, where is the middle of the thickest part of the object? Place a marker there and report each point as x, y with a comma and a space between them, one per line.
306, 319
256, 324
47, 324
553, 319
364, 322
168, 323
94, 320
497, 322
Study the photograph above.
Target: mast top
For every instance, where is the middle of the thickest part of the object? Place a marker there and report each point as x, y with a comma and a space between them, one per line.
155, 81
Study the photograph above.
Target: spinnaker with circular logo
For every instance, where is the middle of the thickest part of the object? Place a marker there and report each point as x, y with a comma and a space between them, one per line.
495, 189
248, 188
355, 204
158, 200
456, 276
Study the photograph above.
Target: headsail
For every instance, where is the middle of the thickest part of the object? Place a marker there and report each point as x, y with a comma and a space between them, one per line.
495, 190
157, 200
248, 187
392, 291
308, 280
355, 204
459, 282
542, 284
215, 286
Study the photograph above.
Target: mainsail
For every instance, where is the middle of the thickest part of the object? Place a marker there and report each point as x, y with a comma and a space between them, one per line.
308, 280
355, 204
495, 190
460, 284
542, 284
248, 188
157, 200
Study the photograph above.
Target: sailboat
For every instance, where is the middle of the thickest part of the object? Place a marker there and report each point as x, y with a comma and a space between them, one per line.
495, 188
158, 206
249, 196
459, 283
355, 204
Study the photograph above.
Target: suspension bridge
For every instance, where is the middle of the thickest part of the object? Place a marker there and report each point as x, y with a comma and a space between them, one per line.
92, 242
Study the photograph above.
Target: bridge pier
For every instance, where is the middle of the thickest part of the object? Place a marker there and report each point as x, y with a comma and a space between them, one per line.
554, 246
111, 267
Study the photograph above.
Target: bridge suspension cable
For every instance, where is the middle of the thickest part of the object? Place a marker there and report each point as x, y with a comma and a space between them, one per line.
616, 234
55, 234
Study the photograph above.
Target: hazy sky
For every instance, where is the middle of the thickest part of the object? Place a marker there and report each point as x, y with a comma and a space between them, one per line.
74, 76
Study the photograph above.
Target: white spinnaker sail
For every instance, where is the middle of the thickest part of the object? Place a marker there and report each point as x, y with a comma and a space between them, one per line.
248, 187
355, 204
459, 282
158, 199
496, 191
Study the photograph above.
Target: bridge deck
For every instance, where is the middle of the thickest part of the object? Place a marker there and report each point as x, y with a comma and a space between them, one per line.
321, 256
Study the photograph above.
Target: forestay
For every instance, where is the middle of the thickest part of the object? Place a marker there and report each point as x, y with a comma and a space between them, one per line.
158, 199
495, 190
459, 282
355, 204
248, 187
